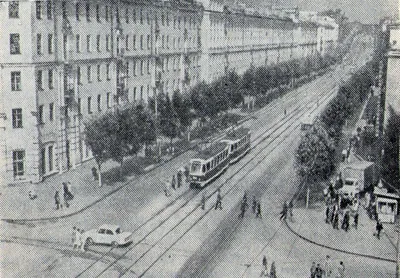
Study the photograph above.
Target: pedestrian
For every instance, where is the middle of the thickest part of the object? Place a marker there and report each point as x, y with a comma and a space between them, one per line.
258, 210
69, 188
272, 272
327, 211
328, 266
264, 262
203, 202
254, 205
94, 174
332, 214
166, 189
345, 222
218, 203
179, 178
313, 269
290, 210
64, 199
73, 238
379, 228
243, 208
78, 239
264, 271
356, 219
284, 112
344, 155
187, 173
340, 270
335, 223
173, 182
57, 200
82, 239
319, 271
284, 211
245, 198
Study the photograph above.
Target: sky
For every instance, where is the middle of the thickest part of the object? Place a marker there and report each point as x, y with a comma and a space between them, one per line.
364, 11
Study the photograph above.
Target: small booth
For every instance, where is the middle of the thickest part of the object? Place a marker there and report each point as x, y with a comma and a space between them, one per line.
386, 204
307, 122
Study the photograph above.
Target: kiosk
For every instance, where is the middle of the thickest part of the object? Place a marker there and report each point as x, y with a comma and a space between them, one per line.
386, 205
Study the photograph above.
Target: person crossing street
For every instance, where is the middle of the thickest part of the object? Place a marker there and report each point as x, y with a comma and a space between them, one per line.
203, 202
218, 203
258, 210
173, 182
243, 206
254, 205
284, 211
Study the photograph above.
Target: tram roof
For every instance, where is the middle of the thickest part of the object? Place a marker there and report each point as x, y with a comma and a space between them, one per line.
211, 151
237, 133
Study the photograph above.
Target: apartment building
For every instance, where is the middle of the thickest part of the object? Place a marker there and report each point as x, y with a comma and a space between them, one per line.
62, 62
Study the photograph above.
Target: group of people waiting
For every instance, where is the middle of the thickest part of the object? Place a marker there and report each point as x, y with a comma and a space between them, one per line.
319, 271
333, 215
62, 199
176, 181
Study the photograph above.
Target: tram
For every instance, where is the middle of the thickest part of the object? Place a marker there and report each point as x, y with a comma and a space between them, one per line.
208, 164
239, 143
213, 161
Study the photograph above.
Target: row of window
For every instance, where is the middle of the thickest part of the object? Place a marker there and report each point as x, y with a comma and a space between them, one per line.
13, 12
16, 75
215, 161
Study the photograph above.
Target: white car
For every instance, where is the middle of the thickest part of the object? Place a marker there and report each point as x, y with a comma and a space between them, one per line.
108, 234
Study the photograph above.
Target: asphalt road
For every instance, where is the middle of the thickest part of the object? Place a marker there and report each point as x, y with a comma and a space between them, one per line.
182, 239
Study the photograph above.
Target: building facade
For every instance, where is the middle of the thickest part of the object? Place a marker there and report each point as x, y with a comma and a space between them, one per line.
62, 62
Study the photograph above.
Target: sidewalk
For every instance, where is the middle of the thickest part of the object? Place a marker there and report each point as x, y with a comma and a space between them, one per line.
309, 224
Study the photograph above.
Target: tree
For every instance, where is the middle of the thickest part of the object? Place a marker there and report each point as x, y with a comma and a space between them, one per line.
314, 157
181, 106
97, 138
169, 122
119, 131
198, 100
147, 127
390, 159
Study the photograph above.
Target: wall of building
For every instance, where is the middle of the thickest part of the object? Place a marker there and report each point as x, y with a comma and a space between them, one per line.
79, 59
392, 98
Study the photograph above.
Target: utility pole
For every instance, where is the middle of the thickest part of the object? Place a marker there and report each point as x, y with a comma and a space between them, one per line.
397, 229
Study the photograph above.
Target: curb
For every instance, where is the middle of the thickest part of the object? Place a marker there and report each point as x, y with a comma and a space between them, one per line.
17, 220
337, 249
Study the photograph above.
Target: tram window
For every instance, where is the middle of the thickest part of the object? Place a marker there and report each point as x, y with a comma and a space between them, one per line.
208, 166
196, 167
231, 147
203, 168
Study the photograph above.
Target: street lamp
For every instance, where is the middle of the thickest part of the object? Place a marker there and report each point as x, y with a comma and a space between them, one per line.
397, 229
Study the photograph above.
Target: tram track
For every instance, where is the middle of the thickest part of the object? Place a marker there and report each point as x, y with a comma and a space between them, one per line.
262, 137
190, 195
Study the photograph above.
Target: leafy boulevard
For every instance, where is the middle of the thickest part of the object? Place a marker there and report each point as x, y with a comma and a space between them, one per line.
129, 128
315, 158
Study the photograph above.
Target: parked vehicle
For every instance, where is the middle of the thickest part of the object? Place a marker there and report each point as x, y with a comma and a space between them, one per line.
361, 173
108, 234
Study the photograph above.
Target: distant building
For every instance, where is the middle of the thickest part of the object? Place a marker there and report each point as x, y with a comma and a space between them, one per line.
62, 62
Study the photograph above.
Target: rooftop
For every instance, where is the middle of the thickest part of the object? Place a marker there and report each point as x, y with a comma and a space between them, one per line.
211, 151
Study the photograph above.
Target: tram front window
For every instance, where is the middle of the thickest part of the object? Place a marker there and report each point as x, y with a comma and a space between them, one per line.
196, 167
